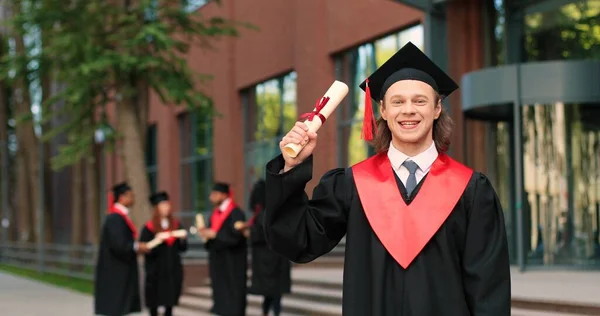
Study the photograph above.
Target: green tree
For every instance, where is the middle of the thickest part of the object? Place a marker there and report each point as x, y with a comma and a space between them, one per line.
116, 52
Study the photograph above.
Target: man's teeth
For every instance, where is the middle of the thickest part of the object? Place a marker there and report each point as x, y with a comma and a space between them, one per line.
408, 123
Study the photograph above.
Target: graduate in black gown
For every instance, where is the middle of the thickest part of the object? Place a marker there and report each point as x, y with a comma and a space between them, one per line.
116, 286
271, 272
163, 264
425, 235
228, 254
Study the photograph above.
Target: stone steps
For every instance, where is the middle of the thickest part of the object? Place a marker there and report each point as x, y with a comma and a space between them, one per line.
197, 301
318, 291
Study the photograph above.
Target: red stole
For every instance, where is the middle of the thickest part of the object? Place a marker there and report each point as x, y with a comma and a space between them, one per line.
253, 218
169, 241
218, 217
404, 230
114, 209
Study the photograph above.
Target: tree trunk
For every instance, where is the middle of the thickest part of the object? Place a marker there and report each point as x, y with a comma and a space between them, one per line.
133, 158
4, 159
77, 211
46, 80
92, 190
27, 140
23, 205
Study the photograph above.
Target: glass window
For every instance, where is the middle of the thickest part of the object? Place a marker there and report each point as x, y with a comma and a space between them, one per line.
151, 11
500, 174
562, 183
196, 135
151, 157
190, 6
356, 65
270, 111
570, 31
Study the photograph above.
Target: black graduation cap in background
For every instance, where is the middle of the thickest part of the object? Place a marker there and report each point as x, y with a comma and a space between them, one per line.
120, 189
158, 197
409, 63
221, 187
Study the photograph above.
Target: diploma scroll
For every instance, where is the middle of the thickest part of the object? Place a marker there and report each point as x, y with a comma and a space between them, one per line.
200, 224
154, 242
315, 119
180, 233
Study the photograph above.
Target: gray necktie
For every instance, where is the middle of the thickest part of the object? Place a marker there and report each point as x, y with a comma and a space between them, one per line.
411, 183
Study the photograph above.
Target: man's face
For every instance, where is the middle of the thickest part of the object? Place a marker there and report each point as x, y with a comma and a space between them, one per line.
410, 107
128, 198
217, 197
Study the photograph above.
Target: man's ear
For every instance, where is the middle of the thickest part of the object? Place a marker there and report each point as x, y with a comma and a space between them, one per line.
382, 110
438, 109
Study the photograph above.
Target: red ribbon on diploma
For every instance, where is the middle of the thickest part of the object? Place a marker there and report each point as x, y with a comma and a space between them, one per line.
318, 107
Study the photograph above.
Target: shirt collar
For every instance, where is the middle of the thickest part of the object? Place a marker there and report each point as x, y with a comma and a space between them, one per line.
122, 208
224, 205
424, 160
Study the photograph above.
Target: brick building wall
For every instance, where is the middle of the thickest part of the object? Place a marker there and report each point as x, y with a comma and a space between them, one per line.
299, 35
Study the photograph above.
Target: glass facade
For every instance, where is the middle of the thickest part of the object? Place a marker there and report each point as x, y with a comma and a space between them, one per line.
561, 155
568, 31
270, 111
560, 142
196, 139
355, 66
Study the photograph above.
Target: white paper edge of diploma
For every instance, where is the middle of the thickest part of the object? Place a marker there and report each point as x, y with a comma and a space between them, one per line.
156, 241
336, 93
200, 224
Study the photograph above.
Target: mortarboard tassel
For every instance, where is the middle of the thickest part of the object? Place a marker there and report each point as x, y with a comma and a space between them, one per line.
369, 119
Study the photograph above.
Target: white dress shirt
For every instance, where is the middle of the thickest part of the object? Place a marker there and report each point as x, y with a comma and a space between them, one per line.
122, 208
424, 160
224, 204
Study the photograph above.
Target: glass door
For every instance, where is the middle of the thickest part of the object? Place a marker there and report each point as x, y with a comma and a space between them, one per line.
500, 157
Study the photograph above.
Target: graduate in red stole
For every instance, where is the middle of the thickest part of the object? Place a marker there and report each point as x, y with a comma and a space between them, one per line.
228, 254
163, 264
425, 235
116, 285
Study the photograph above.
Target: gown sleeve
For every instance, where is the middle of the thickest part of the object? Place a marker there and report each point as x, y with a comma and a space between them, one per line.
145, 236
257, 232
119, 237
299, 228
182, 243
228, 236
485, 262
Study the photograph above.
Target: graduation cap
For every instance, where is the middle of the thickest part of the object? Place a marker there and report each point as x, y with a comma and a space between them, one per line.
221, 187
409, 63
158, 197
120, 189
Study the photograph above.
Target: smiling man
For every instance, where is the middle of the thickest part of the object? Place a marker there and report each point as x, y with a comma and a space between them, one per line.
425, 235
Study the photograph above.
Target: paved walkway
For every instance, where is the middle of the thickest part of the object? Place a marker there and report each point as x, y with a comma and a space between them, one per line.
27, 297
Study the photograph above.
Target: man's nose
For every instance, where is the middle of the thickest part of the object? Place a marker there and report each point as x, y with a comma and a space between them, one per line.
408, 108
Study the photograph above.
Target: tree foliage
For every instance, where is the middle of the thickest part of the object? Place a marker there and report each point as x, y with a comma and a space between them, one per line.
100, 51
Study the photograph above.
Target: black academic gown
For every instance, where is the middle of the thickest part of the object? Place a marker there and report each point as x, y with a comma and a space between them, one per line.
228, 263
271, 272
463, 270
116, 286
164, 270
